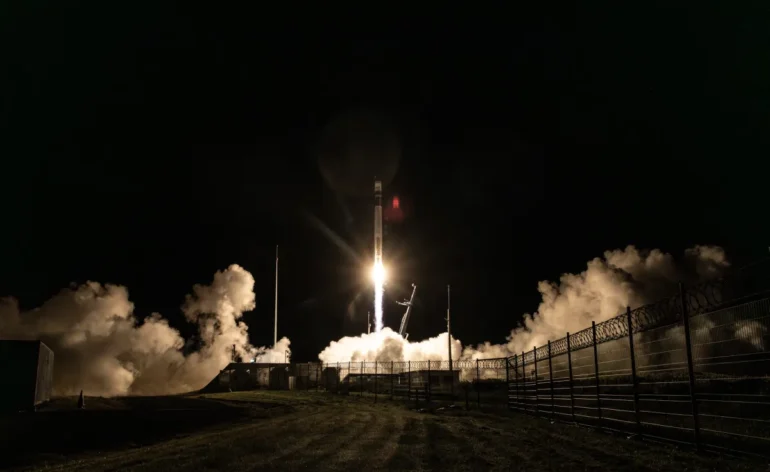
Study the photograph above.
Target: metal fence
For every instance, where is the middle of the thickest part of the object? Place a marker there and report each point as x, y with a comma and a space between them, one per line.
691, 369
699, 379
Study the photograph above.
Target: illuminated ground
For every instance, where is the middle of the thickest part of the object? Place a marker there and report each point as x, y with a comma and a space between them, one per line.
291, 431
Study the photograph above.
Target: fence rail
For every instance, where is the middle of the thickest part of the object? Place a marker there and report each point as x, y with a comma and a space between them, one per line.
693, 368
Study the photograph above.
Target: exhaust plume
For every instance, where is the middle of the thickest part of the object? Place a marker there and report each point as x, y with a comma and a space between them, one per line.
621, 278
101, 347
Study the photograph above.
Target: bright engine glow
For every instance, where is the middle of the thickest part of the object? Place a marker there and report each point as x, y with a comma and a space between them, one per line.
378, 274
378, 277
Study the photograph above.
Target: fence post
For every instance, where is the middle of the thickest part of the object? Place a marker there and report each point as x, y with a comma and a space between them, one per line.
634, 380
571, 390
507, 384
409, 379
361, 380
391, 380
596, 375
524, 380
478, 379
516, 378
339, 377
307, 387
537, 393
550, 377
427, 390
318, 370
375, 381
690, 368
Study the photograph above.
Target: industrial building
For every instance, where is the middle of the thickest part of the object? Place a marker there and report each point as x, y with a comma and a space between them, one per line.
250, 376
382, 382
27, 375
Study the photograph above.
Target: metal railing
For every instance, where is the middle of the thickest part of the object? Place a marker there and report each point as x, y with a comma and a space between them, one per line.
702, 378
693, 368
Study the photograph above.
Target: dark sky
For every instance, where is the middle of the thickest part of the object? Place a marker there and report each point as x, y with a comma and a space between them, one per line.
150, 148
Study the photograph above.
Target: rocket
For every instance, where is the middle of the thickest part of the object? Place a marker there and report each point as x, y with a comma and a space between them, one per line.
377, 223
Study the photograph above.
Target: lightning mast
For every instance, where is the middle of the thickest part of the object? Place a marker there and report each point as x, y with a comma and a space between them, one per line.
275, 326
405, 319
448, 328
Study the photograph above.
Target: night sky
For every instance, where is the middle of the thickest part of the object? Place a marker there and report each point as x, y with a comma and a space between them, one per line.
150, 148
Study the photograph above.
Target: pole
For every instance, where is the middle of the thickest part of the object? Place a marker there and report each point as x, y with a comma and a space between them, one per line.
408, 379
375, 381
478, 378
524, 379
571, 390
550, 376
596, 375
427, 390
361, 380
690, 368
275, 325
537, 387
634, 380
449, 343
516, 378
391, 380
507, 384
339, 375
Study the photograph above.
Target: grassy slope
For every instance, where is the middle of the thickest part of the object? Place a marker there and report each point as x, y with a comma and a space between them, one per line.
324, 432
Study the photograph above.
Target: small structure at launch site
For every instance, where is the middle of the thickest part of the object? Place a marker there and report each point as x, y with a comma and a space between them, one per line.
27, 374
251, 376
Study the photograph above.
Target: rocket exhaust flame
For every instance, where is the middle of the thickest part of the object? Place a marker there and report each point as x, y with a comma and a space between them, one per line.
378, 277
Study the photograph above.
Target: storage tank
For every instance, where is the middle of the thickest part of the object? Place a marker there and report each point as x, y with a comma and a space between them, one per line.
26, 374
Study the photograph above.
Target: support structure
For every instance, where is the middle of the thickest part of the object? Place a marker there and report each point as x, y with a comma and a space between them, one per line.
690, 368
634, 379
550, 376
524, 380
275, 325
449, 342
537, 386
571, 389
596, 375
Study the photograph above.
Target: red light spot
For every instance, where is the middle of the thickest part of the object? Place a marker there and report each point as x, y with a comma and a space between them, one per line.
396, 203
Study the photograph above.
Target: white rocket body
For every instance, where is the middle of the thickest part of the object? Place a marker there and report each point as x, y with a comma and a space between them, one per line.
377, 223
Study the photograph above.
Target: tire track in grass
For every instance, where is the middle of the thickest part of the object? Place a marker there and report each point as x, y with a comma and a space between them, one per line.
410, 445
376, 444
175, 454
446, 449
337, 428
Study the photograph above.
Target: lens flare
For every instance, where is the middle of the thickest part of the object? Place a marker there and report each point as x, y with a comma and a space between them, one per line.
378, 277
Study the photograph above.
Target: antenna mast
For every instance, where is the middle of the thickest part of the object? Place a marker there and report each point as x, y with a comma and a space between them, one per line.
275, 326
448, 328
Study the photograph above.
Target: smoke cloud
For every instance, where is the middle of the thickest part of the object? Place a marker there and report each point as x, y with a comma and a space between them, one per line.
101, 347
387, 345
621, 278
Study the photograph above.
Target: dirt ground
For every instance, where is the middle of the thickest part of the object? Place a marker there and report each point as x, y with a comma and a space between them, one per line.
314, 431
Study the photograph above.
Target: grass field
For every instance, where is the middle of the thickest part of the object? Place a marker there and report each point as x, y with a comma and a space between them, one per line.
266, 430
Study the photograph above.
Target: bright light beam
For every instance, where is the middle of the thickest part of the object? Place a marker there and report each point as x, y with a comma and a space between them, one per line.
378, 277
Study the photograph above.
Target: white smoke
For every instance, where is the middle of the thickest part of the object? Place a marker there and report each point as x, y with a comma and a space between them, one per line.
622, 278
101, 347
387, 345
